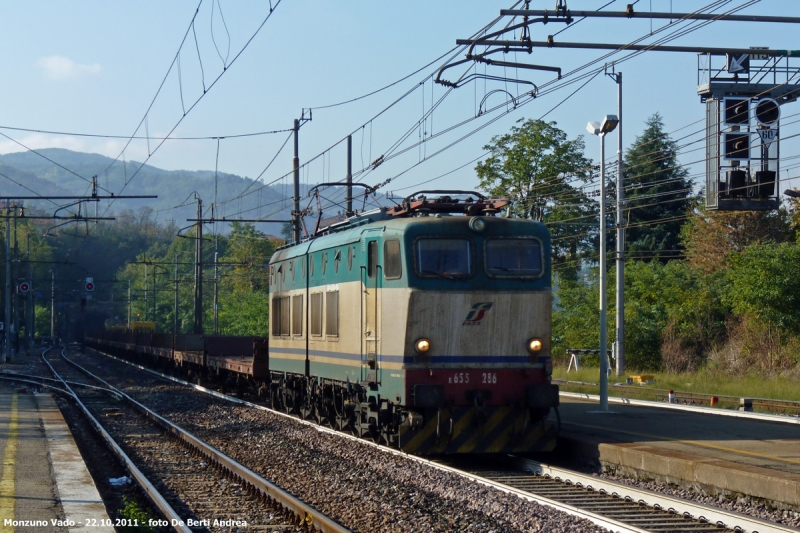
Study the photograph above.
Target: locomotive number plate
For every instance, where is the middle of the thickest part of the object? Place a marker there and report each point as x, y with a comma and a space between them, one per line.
489, 377
459, 377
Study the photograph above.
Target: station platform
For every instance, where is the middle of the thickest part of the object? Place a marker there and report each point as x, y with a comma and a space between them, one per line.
724, 455
44, 483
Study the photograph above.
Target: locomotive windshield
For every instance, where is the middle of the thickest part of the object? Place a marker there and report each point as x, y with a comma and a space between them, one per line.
447, 258
513, 258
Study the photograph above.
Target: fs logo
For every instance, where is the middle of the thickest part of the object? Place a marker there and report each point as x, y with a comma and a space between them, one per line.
476, 313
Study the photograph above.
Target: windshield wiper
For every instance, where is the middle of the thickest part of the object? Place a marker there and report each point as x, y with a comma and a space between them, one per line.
436, 274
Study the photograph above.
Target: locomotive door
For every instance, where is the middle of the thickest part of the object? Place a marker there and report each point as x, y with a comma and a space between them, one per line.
370, 305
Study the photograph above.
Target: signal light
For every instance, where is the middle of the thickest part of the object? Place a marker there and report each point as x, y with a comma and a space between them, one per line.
24, 286
768, 111
89, 286
737, 146
737, 110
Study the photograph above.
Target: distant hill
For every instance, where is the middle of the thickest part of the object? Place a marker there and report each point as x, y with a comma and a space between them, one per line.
172, 187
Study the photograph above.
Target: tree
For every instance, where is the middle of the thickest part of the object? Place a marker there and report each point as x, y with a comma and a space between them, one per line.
709, 237
658, 191
535, 165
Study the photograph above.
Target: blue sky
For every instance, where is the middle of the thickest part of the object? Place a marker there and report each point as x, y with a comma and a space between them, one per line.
94, 67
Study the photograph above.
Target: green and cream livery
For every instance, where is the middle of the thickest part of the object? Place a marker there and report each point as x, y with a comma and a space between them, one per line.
426, 326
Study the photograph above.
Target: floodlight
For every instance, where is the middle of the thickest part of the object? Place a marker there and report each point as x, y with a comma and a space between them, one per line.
593, 128
609, 123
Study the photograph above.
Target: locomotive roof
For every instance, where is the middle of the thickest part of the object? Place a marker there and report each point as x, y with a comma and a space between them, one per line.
398, 225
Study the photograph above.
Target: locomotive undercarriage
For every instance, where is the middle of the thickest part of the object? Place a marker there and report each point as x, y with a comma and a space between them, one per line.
353, 408
343, 406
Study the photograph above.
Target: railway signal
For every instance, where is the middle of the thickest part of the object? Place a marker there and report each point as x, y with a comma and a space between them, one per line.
768, 111
89, 286
24, 286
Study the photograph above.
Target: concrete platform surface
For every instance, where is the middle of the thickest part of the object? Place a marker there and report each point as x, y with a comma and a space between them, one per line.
725, 455
44, 483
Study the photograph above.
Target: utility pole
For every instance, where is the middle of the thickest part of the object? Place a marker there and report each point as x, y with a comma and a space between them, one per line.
296, 167
216, 291
296, 217
129, 303
620, 304
145, 292
198, 272
349, 206
15, 276
31, 314
155, 295
175, 325
7, 319
53, 305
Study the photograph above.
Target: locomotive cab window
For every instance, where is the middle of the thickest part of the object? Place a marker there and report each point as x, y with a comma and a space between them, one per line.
391, 259
513, 258
445, 258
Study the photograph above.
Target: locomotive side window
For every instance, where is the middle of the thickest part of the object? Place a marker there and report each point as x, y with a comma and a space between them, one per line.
372, 258
513, 258
447, 258
310, 266
285, 315
324, 262
332, 313
297, 314
276, 316
391, 258
316, 314
350, 251
280, 315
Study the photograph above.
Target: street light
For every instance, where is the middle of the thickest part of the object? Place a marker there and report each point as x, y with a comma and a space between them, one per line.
600, 129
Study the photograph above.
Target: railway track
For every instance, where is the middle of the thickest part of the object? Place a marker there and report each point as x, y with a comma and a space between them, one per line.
615, 506
612, 505
194, 486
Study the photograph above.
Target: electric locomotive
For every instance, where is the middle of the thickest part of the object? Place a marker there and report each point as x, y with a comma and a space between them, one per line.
426, 326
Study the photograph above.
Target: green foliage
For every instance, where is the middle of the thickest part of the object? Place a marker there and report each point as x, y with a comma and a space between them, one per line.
244, 313
764, 284
535, 165
134, 513
657, 188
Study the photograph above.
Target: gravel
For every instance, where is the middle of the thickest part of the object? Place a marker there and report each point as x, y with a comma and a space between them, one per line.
363, 487
366, 488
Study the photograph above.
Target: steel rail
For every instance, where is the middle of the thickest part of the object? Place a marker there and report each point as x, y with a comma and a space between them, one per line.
158, 500
714, 515
307, 513
595, 518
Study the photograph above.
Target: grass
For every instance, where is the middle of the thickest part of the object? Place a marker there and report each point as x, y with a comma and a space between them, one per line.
703, 381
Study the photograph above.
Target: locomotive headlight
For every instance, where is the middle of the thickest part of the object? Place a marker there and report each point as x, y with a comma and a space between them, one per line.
477, 224
422, 345
535, 345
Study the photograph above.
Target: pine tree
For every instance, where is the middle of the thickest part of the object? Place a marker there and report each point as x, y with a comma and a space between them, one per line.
658, 193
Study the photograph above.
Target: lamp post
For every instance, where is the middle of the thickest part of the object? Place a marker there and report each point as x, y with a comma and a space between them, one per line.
600, 129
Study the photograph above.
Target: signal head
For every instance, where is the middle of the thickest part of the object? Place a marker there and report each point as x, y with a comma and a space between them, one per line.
768, 111
24, 286
89, 286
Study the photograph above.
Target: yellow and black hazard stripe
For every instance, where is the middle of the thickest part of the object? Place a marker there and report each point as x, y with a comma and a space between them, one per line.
465, 430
